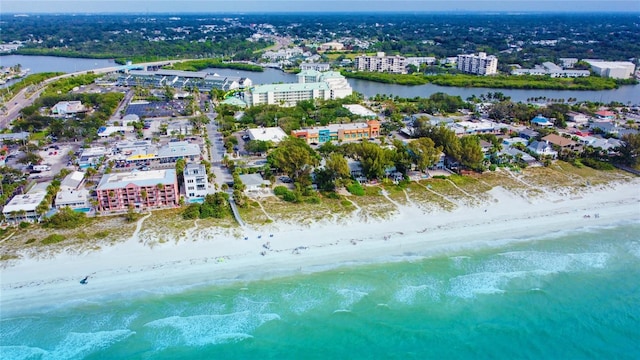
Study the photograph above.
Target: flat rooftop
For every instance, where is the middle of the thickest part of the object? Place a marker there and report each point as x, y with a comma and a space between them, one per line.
274, 134
138, 178
359, 110
24, 202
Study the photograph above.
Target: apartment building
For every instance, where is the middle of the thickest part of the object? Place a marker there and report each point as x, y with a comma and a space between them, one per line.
381, 63
139, 189
196, 185
480, 64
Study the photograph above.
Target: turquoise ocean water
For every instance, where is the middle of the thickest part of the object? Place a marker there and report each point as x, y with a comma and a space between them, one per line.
571, 296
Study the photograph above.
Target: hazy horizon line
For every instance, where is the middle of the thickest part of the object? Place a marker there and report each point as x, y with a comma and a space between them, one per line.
504, 12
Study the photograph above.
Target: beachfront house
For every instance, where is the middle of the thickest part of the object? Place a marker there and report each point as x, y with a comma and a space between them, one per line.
196, 185
511, 154
543, 149
562, 142
254, 183
71, 193
22, 207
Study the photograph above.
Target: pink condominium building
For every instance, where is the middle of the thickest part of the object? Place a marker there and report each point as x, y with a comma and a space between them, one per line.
139, 189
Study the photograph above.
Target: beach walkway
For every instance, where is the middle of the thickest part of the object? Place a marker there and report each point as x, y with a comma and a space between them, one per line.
236, 213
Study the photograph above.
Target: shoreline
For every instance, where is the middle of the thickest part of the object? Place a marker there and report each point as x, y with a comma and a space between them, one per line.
207, 257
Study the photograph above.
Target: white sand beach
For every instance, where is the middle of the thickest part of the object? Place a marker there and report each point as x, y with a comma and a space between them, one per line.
210, 256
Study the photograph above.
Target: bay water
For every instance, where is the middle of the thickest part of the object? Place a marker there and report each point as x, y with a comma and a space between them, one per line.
627, 94
567, 296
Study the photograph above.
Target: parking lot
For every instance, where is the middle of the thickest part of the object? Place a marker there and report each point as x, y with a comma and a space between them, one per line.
157, 109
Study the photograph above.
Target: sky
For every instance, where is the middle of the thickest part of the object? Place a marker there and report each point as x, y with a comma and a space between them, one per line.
226, 6
255, 6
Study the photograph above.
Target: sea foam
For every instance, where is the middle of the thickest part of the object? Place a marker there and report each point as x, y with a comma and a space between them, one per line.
201, 330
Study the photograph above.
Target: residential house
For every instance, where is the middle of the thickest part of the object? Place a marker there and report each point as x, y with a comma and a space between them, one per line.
514, 140
67, 108
605, 115
562, 142
139, 189
541, 121
578, 118
22, 207
512, 154
196, 185
475, 127
71, 194
528, 134
254, 183
485, 146
439, 165
543, 149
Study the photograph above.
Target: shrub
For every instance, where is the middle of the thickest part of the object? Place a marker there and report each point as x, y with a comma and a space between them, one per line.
346, 203
289, 196
332, 195
23, 225
53, 239
191, 212
356, 189
597, 164
313, 200
101, 234
285, 194
30, 241
439, 177
280, 190
66, 218
492, 167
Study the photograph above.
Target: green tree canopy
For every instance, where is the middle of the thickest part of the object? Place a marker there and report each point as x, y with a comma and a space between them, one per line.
424, 153
373, 158
470, 152
295, 158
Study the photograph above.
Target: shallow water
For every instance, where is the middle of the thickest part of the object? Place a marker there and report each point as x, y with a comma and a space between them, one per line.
571, 296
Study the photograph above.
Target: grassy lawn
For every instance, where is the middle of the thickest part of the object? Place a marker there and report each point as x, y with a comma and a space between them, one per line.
348, 55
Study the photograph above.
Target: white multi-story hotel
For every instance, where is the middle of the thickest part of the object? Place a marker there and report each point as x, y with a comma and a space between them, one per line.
480, 64
381, 63
311, 85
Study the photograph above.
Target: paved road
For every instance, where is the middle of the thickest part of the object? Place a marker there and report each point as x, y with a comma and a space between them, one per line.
27, 95
218, 151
